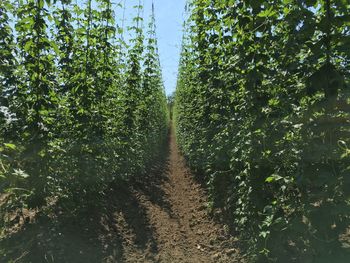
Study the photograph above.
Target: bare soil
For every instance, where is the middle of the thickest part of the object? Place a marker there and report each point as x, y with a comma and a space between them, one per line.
161, 217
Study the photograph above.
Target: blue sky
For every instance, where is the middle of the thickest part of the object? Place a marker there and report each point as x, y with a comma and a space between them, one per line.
169, 19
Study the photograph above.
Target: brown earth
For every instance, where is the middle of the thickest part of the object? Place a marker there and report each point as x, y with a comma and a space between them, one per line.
160, 218
183, 231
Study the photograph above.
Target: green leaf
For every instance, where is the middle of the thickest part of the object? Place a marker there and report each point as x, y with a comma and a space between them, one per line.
28, 45
273, 178
267, 13
264, 234
10, 146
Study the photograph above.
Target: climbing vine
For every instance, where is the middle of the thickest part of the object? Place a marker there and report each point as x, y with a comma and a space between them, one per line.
262, 111
81, 111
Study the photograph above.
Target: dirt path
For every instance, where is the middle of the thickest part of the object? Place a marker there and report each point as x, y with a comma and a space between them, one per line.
180, 229
161, 217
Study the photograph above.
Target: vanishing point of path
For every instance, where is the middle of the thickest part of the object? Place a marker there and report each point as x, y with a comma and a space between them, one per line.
161, 217
174, 209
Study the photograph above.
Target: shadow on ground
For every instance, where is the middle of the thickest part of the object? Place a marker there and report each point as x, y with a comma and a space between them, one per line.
112, 232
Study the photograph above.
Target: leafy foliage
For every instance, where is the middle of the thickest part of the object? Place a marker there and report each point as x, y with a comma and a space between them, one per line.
75, 117
262, 110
